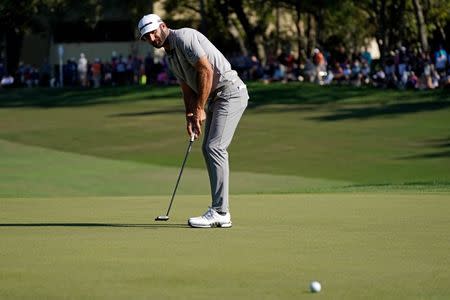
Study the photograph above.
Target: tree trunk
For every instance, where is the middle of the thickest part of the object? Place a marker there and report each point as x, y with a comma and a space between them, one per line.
203, 25
13, 46
397, 9
421, 24
381, 34
441, 30
223, 10
311, 33
249, 30
300, 33
277, 28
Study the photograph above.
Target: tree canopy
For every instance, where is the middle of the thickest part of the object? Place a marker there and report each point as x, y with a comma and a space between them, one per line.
254, 27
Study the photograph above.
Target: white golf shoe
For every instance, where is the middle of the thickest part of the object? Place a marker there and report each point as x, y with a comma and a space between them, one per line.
211, 218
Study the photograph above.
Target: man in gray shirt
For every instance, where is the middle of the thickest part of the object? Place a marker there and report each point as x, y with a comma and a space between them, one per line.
206, 78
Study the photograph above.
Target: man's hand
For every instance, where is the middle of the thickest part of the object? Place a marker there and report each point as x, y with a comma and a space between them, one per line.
195, 122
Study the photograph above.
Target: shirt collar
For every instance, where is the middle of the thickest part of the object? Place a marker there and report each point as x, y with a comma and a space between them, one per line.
171, 39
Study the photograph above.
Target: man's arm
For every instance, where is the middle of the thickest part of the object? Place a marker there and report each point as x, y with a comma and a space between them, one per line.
204, 79
195, 102
189, 97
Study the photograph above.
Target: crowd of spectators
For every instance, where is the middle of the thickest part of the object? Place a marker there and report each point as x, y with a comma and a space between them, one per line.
81, 72
401, 68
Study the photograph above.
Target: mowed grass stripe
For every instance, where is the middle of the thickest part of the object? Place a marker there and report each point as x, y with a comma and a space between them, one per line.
360, 246
366, 136
29, 171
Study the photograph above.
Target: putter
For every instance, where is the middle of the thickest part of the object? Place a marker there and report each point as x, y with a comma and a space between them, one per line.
166, 216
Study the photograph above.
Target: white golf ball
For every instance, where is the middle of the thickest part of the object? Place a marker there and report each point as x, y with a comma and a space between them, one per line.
315, 287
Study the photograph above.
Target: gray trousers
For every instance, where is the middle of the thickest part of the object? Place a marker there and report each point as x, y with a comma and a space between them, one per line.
222, 117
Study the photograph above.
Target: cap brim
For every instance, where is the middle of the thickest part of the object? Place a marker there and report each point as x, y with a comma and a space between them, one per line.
142, 36
148, 29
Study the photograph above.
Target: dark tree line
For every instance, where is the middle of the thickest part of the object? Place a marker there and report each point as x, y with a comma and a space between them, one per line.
258, 27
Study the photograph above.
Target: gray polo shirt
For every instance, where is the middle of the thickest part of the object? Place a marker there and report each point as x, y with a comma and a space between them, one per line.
187, 46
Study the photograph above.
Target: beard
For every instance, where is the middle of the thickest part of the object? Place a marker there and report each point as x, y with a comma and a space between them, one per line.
158, 43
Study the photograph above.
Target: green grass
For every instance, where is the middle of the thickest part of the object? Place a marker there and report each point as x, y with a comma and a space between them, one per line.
347, 186
30, 171
378, 137
360, 246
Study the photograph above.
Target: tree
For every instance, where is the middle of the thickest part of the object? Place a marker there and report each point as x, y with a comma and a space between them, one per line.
229, 24
20, 17
423, 34
407, 22
437, 19
15, 16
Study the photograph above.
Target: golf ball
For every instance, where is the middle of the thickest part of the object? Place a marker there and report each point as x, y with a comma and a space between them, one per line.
315, 287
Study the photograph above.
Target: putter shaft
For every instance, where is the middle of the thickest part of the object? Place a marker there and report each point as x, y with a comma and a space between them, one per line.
166, 217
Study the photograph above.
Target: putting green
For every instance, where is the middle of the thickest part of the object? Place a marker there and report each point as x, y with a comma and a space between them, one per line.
29, 171
360, 246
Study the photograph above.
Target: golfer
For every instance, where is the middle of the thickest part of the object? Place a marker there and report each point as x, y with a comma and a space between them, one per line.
207, 82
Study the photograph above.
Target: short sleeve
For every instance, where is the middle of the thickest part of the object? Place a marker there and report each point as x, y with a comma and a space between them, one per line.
193, 50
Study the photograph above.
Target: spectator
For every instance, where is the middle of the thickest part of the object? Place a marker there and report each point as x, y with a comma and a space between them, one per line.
338, 73
379, 78
108, 74
389, 70
7, 81
355, 77
242, 64
446, 80
320, 66
365, 72
129, 73
70, 72
441, 58
34, 77
366, 56
279, 73
96, 69
413, 81
256, 71
403, 63
426, 80
82, 68
137, 63
435, 77
45, 74
121, 68
341, 56
347, 73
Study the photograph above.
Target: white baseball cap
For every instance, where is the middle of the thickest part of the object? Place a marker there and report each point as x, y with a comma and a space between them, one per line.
148, 23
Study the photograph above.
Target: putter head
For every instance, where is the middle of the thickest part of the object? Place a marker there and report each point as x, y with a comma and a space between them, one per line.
162, 218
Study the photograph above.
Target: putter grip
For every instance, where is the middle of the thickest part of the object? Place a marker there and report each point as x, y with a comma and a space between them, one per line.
192, 137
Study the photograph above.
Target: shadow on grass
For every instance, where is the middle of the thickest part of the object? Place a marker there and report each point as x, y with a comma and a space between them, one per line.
74, 97
403, 186
296, 93
306, 93
159, 225
390, 109
293, 96
148, 113
441, 146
